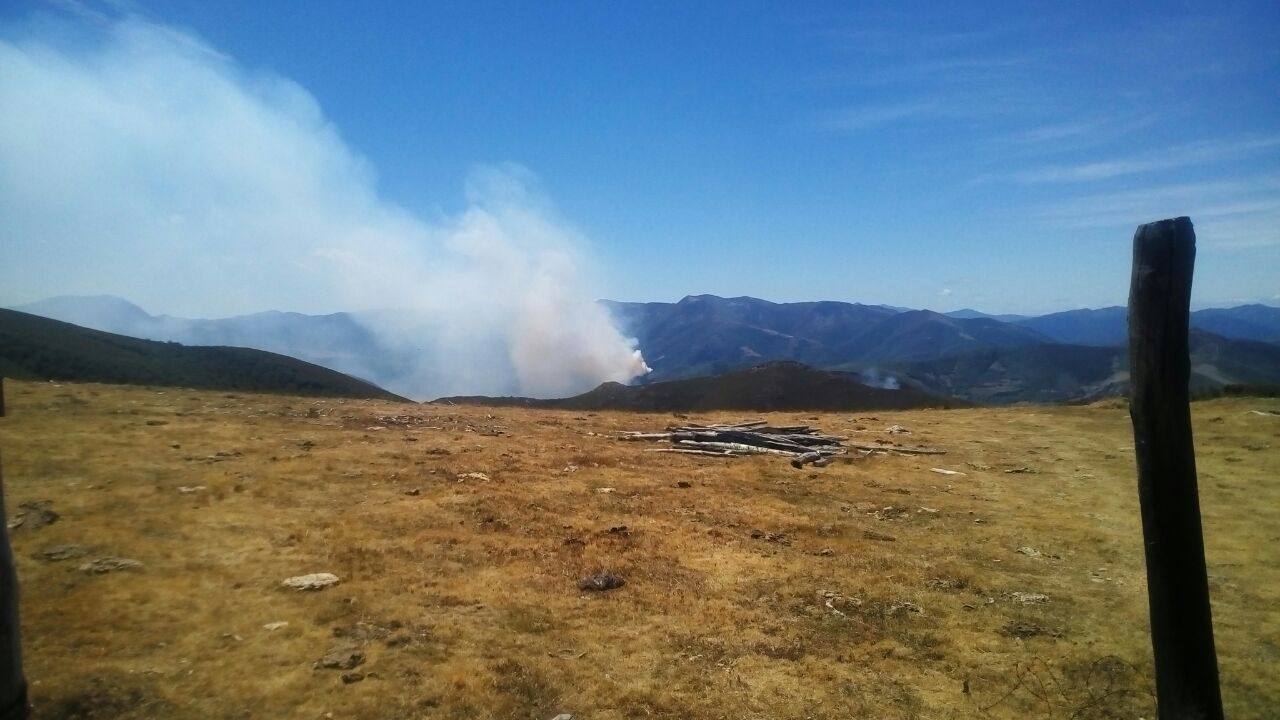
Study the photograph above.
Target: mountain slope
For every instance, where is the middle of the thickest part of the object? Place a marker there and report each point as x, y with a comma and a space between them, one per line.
766, 387
1057, 372
705, 334
1109, 325
1101, 327
339, 341
33, 347
924, 334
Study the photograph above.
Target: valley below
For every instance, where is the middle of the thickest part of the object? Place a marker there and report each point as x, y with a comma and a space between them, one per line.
153, 528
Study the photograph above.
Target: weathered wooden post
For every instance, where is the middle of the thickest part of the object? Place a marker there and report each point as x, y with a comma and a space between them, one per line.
1159, 404
13, 686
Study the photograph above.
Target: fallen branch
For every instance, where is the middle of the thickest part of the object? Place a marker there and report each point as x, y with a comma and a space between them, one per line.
900, 449
690, 451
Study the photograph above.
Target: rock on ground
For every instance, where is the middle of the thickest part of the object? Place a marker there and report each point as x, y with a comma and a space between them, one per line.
109, 564
314, 581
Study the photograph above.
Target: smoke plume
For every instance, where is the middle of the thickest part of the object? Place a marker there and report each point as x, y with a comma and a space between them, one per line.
136, 160
874, 378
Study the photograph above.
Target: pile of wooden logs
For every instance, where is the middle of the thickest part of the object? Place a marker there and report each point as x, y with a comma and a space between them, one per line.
801, 443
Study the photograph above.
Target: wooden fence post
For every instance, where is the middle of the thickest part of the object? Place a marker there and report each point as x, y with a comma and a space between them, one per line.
13, 686
1159, 405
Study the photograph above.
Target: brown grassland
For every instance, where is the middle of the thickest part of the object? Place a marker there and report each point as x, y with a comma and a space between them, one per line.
872, 588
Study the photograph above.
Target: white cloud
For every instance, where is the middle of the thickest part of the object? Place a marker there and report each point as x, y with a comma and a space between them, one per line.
1229, 214
148, 164
1201, 153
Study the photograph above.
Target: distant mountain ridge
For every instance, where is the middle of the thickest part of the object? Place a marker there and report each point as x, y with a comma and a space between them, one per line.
773, 386
1059, 356
39, 348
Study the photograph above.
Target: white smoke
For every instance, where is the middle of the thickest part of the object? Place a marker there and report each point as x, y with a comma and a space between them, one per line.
874, 378
141, 162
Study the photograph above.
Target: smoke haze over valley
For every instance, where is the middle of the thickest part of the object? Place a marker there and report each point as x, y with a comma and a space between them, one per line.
147, 163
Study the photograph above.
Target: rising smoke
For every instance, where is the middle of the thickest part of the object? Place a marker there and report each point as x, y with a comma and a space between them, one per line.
875, 378
138, 161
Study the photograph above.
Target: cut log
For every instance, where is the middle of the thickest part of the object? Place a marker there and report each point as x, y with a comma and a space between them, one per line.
740, 448
690, 451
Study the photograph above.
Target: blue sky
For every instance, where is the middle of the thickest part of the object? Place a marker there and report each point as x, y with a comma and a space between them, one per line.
995, 156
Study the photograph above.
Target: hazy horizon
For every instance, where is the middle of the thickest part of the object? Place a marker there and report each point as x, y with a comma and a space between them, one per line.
158, 313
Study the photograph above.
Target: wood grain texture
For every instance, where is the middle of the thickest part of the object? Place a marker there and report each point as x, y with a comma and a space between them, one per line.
1181, 621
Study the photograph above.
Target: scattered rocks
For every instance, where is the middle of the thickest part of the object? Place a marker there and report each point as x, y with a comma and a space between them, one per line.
344, 657
601, 581
473, 476
1028, 598
56, 553
903, 607
773, 537
314, 581
109, 564
1024, 630
33, 515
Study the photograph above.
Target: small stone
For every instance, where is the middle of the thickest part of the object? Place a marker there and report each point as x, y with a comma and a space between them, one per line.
352, 677
62, 552
275, 625
33, 515
473, 476
1027, 598
826, 552
314, 581
897, 430
1028, 551
600, 582
109, 564
413, 491
340, 658
563, 716
683, 484
605, 490
187, 490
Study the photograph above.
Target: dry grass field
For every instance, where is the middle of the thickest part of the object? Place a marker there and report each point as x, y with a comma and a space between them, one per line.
872, 588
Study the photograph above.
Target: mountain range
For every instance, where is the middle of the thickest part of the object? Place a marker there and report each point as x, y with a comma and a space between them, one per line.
965, 354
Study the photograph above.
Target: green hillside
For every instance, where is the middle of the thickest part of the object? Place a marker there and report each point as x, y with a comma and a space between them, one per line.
37, 348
